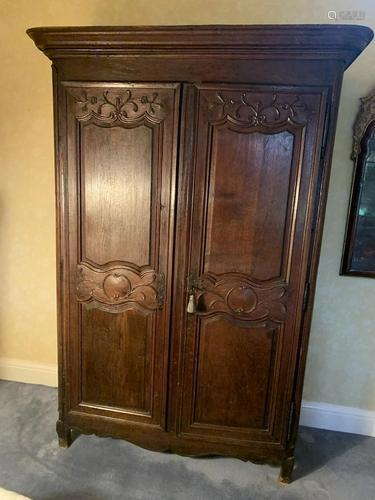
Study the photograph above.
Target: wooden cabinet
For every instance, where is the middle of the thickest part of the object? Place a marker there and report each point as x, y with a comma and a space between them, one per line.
192, 167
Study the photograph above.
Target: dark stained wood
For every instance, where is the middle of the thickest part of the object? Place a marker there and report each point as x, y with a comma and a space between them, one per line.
288, 54
118, 168
218, 197
327, 41
265, 171
200, 67
234, 375
120, 156
117, 345
286, 471
243, 236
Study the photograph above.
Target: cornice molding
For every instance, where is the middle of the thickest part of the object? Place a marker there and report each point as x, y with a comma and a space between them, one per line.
343, 42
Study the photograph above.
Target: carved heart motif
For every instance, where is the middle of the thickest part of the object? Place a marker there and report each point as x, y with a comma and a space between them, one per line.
242, 299
116, 286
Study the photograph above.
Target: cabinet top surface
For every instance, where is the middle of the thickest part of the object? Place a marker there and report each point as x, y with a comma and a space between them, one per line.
206, 28
343, 42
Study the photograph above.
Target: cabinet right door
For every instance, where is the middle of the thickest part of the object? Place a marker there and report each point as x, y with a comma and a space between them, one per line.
256, 161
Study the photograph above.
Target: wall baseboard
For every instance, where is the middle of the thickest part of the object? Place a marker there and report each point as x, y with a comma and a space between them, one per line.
313, 414
338, 418
28, 372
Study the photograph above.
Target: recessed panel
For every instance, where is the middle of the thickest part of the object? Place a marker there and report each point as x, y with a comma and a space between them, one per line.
235, 374
116, 183
248, 202
116, 351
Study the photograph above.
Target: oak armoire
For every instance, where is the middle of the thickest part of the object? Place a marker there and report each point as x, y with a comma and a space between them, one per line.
192, 167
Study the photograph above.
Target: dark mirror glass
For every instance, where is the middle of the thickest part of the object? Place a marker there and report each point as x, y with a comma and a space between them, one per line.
364, 238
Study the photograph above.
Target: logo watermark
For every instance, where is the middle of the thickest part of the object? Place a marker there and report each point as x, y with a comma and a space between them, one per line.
346, 15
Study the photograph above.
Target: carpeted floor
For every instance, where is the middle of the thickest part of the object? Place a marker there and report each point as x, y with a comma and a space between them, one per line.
329, 465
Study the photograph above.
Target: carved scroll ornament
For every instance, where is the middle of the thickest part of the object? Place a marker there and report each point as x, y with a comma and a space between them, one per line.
239, 297
114, 105
276, 110
118, 288
365, 116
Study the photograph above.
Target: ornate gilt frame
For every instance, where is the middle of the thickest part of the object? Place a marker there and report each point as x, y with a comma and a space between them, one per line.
364, 127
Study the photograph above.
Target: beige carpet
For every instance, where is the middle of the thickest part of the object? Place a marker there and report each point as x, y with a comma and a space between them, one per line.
10, 495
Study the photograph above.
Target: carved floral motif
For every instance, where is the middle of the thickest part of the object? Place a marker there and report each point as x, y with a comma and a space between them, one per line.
117, 105
275, 110
121, 287
239, 297
365, 116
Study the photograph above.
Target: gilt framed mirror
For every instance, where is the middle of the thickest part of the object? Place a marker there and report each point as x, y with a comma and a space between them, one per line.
359, 245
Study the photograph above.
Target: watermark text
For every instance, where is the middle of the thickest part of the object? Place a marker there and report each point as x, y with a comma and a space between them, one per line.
346, 15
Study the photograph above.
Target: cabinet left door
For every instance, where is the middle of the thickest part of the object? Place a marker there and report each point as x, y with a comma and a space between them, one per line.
116, 193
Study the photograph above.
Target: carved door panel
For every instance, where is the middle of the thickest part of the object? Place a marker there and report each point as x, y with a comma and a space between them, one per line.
255, 172
119, 188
